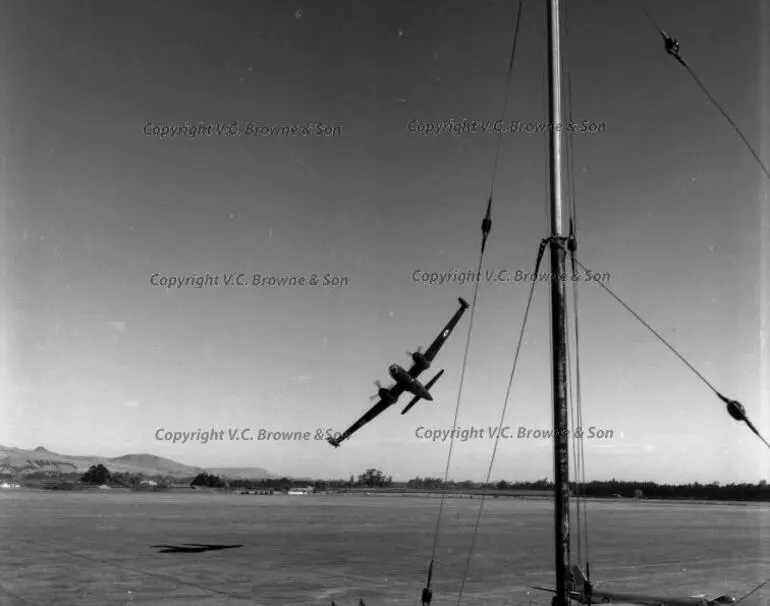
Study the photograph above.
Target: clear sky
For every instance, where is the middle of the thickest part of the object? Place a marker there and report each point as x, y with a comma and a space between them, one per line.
670, 203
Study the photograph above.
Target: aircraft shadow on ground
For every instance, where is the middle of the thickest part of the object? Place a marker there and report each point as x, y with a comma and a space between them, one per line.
192, 548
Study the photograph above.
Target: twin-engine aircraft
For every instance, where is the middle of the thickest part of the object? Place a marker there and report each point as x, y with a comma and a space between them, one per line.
406, 380
599, 596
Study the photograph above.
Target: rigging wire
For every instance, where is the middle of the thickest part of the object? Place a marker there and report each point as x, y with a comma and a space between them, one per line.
505, 101
454, 426
574, 442
500, 425
546, 176
576, 400
486, 226
570, 387
734, 408
572, 213
753, 591
580, 459
672, 48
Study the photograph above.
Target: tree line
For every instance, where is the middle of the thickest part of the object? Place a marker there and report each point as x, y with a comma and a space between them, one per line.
371, 478
374, 478
616, 488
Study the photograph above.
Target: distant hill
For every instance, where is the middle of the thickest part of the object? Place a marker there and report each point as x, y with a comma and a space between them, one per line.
20, 462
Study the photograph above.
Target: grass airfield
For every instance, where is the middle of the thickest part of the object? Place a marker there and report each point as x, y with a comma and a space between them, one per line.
98, 548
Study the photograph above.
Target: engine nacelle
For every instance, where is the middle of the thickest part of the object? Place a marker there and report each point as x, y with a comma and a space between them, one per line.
386, 396
421, 361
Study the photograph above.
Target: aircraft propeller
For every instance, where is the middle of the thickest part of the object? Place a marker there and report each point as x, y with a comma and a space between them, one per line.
377, 395
419, 350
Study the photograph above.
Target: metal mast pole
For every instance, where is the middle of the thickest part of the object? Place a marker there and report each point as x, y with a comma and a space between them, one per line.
558, 324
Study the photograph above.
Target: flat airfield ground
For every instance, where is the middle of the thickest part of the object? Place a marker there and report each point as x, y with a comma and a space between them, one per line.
101, 548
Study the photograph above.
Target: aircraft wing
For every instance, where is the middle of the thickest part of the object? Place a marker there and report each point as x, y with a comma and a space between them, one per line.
600, 599
370, 414
573, 594
644, 600
434, 348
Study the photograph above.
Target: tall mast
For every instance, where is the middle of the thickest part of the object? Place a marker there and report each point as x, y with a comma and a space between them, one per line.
558, 324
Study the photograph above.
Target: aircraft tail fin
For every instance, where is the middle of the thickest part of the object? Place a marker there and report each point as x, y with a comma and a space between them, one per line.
428, 385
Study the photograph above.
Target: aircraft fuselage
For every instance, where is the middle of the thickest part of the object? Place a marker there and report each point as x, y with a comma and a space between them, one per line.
408, 382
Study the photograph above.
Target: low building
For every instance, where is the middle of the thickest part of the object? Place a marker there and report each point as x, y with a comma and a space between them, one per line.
296, 490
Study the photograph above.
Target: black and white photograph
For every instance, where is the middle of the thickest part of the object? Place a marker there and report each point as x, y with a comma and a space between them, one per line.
363, 303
